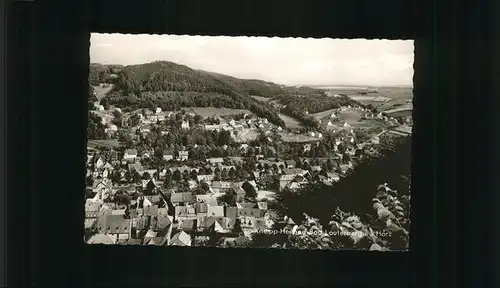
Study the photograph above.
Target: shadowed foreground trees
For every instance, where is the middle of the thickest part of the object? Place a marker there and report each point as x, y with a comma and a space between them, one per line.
358, 203
356, 189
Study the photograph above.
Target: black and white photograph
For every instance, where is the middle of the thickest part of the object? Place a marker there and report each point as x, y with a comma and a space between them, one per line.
249, 142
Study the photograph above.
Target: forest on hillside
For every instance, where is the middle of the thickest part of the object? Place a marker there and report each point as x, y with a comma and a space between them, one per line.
172, 86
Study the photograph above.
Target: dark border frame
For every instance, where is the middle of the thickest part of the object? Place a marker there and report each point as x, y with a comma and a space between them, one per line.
57, 111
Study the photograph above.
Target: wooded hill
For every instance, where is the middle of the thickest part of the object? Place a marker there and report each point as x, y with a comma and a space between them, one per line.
172, 86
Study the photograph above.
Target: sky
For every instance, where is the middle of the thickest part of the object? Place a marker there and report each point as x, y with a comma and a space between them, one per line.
287, 61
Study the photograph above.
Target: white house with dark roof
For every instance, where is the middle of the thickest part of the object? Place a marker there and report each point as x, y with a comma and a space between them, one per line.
215, 161
185, 125
130, 154
183, 155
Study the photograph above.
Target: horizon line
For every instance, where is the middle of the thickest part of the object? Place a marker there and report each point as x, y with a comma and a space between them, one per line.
249, 79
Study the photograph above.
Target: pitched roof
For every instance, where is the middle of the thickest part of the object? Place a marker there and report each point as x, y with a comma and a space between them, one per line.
209, 221
101, 239
259, 223
287, 177
189, 225
150, 210
239, 190
162, 211
215, 160
334, 176
221, 184
231, 212
116, 224
131, 151
180, 210
181, 239
90, 223
209, 199
252, 212
205, 177
118, 212
201, 207
247, 205
181, 197
163, 221
293, 171
262, 205
153, 198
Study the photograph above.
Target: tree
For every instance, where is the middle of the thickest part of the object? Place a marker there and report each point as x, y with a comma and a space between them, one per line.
105, 103
250, 191
177, 176
204, 185
199, 191
229, 197
341, 147
117, 118
306, 166
355, 190
89, 181
136, 177
329, 165
146, 176
224, 174
197, 119
134, 120
346, 158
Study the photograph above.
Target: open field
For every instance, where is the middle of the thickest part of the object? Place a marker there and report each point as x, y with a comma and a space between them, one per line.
101, 91
112, 143
368, 124
393, 104
296, 138
370, 98
350, 116
290, 122
323, 114
399, 112
396, 92
261, 99
216, 112
371, 95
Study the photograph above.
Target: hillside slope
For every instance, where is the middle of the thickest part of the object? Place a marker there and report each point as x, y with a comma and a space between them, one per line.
172, 86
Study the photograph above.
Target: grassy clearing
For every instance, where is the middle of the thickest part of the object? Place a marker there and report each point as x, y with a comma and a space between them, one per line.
401, 112
393, 104
396, 92
111, 143
101, 91
290, 122
368, 124
350, 116
216, 112
261, 99
324, 114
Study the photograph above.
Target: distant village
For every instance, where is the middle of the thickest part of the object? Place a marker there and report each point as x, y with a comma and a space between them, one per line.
182, 179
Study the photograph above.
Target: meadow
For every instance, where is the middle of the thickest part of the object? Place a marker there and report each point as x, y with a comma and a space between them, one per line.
290, 122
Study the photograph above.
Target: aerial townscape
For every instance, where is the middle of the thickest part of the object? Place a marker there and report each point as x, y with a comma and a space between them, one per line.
184, 157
